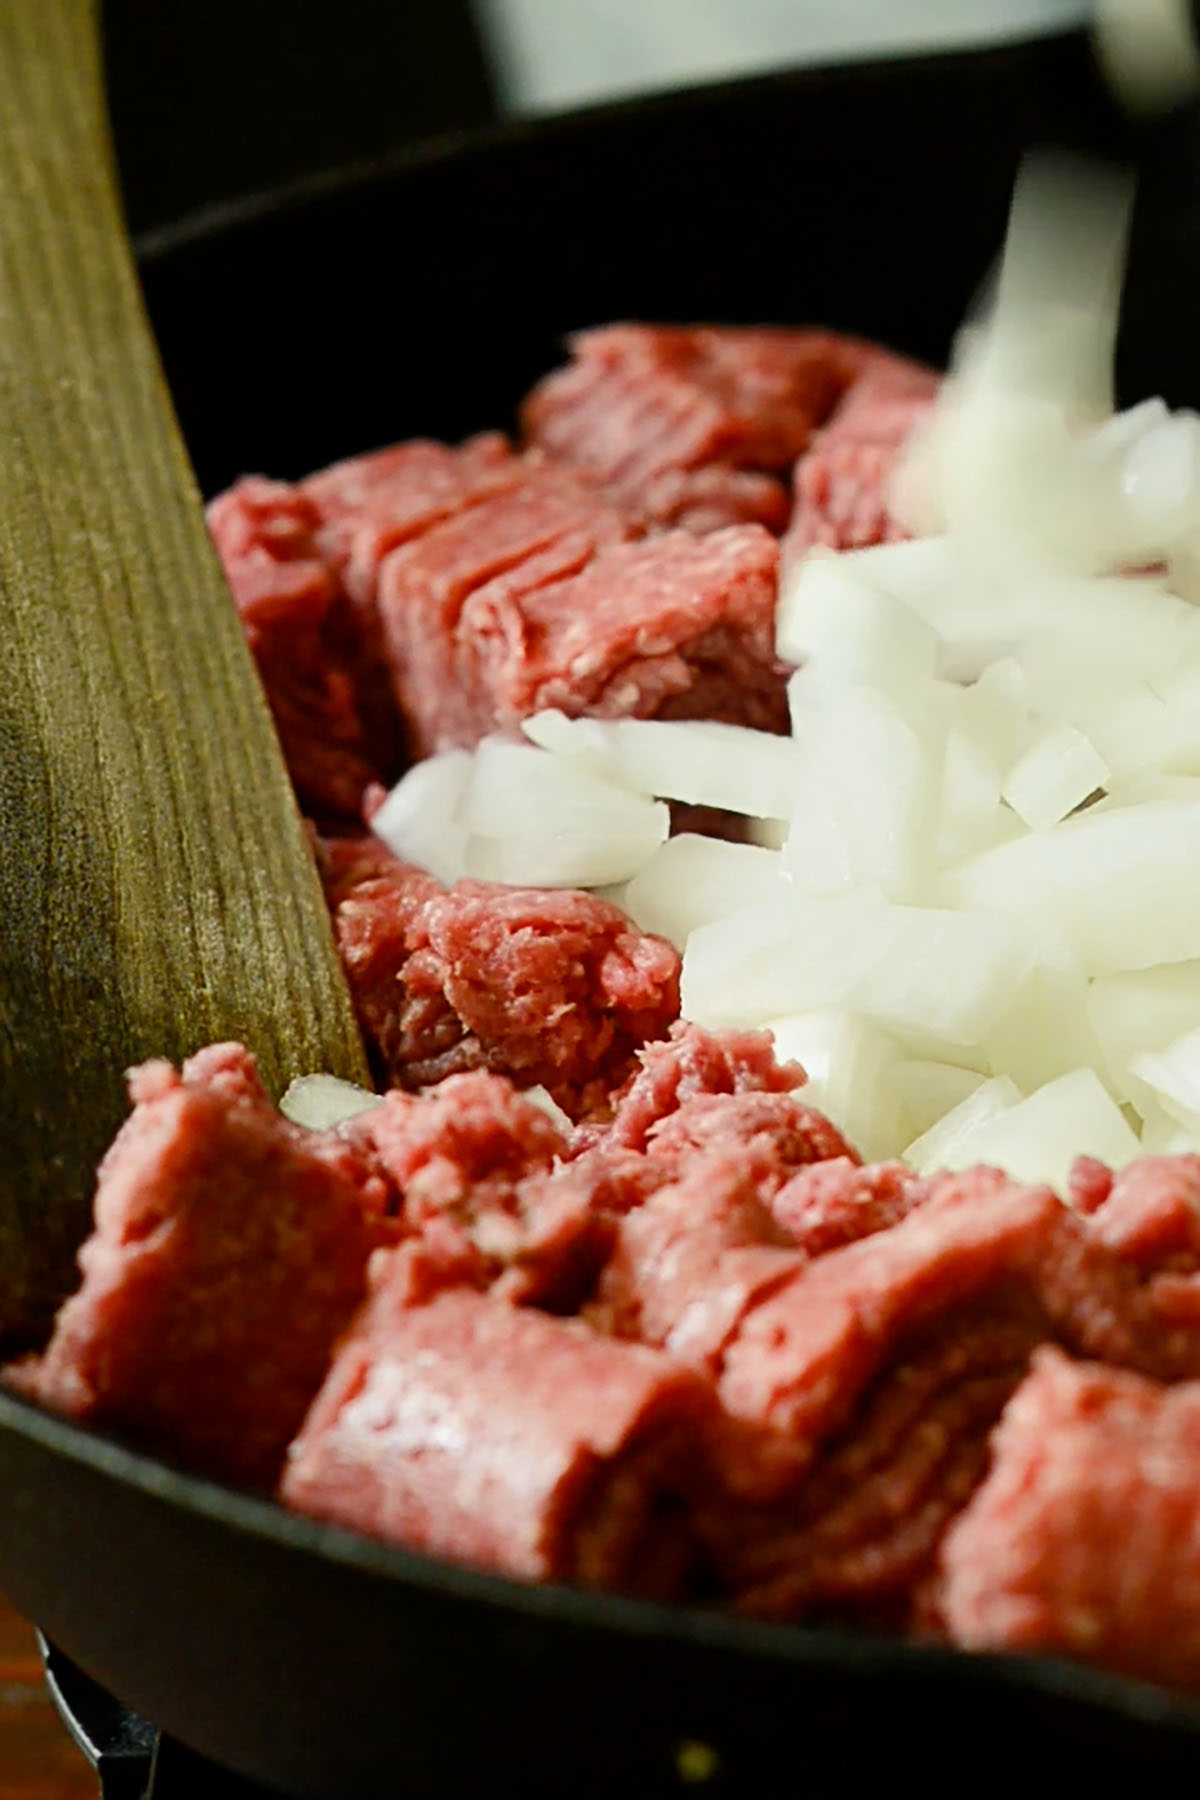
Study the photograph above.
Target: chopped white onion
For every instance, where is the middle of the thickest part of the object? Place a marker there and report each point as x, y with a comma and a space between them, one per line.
421, 818
846, 630
1039, 1138
966, 902
929, 1090
947, 1144
694, 761
865, 794
1145, 1010
319, 1102
692, 880
546, 1103
1055, 775
1114, 885
536, 820
948, 975
1173, 1075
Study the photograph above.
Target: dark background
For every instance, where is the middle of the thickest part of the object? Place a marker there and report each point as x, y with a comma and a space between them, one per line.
215, 98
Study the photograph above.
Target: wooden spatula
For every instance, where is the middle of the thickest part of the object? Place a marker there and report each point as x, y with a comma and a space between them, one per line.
156, 889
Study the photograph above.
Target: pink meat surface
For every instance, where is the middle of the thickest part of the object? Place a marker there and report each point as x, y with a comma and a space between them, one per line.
368, 505
834, 1202
841, 484
879, 1367
495, 1435
303, 641
1084, 1541
556, 989
692, 1063
477, 1172
689, 1262
229, 1252
691, 425
493, 617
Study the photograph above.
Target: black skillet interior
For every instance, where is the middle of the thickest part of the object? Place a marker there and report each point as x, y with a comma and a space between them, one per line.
423, 297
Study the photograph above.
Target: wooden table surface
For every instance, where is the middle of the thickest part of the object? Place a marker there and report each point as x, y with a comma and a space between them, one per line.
38, 1761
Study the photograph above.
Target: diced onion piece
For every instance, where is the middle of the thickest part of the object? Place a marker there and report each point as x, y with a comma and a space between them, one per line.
1114, 886
929, 1090
1133, 732
852, 1067
319, 1102
1136, 790
537, 821
420, 819
1120, 431
918, 572
546, 1103
693, 880
848, 631
864, 797
691, 760
768, 834
993, 712
809, 1039
1160, 483
1173, 1075
946, 975
947, 1144
1143, 1011
1161, 1135
970, 805
1055, 775
1040, 1138
1046, 1032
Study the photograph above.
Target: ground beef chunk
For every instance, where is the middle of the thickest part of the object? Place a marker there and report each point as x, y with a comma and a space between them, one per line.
829, 1204
370, 504
691, 425
556, 989
1084, 1541
881, 1367
771, 1133
856, 1537
303, 640
491, 617
841, 484
229, 1253
692, 1062
1150, 1214
801, 1360
499, 1436
538, 532
688, 1263
474, 1164
461, 1148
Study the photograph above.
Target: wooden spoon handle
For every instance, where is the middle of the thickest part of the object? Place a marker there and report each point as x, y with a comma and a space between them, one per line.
156, 889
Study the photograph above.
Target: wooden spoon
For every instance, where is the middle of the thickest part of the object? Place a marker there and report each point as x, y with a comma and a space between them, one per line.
156, 888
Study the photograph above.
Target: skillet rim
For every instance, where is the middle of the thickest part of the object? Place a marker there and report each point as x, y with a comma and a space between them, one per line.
260, 1517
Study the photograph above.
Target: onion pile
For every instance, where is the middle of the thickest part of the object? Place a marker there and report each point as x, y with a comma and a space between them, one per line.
969, 902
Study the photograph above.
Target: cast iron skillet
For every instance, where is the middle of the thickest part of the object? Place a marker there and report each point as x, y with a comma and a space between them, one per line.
424, 296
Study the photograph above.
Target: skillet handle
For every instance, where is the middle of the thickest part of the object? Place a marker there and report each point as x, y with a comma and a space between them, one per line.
120, 1746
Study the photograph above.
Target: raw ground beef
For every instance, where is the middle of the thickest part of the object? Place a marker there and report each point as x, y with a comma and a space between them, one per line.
1084, 1540
685, 1344
841, 485
416, 598
697, 1351
693, 426
556, 989
229, 1252
476, 1430
293, 613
